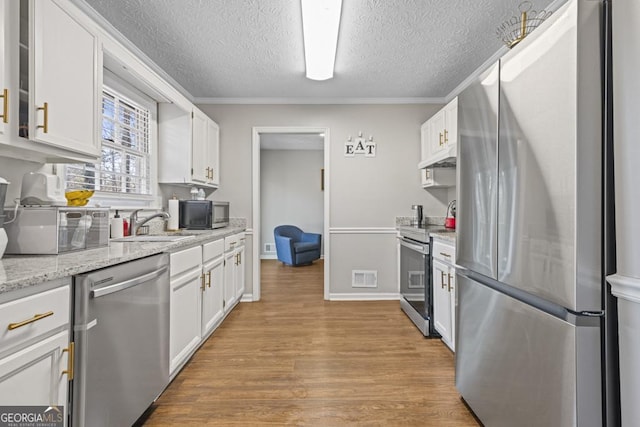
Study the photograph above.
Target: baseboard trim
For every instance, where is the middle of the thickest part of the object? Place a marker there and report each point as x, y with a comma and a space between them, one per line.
274, 256
364, 296
246, 298
363, 230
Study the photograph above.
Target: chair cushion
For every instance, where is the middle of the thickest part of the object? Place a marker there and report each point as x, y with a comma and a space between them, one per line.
305, 246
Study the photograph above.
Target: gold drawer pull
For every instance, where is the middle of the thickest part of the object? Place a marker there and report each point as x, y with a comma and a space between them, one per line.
45, 126
203, 285
5, 103
440, 143
446, 255
70, 360
35, 318
449, 282
208, 278
442, 279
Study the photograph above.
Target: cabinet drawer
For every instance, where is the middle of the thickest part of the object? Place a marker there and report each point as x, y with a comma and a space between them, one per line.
212, 250
231, 242
444, 252
185, 260
12, 313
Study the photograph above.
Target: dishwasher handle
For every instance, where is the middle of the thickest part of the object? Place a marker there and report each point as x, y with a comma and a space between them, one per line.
97, 293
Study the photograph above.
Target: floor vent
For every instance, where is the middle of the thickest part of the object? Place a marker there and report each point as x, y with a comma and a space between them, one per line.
364, 278
269, 247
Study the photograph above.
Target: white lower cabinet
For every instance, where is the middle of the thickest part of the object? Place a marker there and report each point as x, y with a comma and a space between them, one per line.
37, 364
444, 294
213, 290
206, 283
229, 280
239, 279
234, 276
185, 305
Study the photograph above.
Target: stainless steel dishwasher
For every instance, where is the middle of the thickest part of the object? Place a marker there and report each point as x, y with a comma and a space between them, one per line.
121, 331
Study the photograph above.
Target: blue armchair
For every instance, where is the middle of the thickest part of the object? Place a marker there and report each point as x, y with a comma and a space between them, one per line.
295, 247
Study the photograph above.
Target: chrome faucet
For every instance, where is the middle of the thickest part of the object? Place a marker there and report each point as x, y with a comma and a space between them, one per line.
135, 224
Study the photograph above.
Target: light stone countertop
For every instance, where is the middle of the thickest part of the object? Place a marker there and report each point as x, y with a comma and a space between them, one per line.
447, 236
22, 271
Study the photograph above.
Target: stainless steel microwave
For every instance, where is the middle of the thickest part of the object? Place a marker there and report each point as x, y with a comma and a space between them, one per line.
203, 214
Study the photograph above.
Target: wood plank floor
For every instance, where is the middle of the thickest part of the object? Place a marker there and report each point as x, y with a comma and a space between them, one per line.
295, 359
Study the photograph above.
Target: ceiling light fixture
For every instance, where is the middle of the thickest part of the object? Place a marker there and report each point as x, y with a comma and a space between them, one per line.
320, 25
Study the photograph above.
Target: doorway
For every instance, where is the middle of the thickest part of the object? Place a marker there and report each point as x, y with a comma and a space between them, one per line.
291, 138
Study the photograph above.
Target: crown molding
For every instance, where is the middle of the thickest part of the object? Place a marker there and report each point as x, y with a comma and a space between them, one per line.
112, 31
318, 101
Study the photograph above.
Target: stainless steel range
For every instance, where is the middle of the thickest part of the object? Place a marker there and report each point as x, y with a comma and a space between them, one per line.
415, 277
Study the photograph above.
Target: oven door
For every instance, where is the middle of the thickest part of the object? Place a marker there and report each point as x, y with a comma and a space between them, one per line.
414, 276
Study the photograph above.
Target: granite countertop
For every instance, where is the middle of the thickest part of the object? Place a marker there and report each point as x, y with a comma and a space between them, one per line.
21, 271
445, 234
437, 231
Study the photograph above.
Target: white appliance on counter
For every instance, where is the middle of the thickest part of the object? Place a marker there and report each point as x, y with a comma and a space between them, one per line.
42, 189
529, 230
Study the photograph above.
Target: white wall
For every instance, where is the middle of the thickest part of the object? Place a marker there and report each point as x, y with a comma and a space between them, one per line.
366, 193
290, 191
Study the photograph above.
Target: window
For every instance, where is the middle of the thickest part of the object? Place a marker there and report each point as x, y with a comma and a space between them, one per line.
125, 169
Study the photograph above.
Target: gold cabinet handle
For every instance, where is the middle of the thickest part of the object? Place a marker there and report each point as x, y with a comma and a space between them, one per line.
202, 286
446, 138
45, 126
211, 171
442, 279
449, 283
445, 255
237, 259
440, 139
208, 278
5, 103
35, 318
70, 360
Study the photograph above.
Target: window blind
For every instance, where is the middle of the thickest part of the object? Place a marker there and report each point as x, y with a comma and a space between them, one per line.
125, 165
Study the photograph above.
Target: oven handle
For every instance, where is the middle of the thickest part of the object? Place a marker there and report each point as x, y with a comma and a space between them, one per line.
413, 246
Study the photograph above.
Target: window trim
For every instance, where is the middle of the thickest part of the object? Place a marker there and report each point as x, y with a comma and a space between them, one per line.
123, 200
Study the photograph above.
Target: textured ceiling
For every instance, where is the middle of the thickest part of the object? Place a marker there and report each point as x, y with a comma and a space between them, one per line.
254, 48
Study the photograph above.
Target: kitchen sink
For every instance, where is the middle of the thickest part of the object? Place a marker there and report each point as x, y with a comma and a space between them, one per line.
147, 238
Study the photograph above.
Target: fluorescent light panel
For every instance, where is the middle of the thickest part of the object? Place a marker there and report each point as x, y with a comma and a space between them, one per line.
320, 25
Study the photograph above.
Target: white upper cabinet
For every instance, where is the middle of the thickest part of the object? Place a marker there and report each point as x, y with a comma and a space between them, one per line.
63, 80
8, 70
440, 137
51, 76
188, 147
213, 153
199, 159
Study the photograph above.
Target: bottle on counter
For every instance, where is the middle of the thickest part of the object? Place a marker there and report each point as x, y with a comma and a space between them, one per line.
194, 193
125, 227
117, 226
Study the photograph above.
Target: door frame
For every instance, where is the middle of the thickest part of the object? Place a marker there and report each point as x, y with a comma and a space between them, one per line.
256, 206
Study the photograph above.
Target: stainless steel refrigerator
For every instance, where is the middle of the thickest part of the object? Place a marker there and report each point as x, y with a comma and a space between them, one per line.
529, 232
